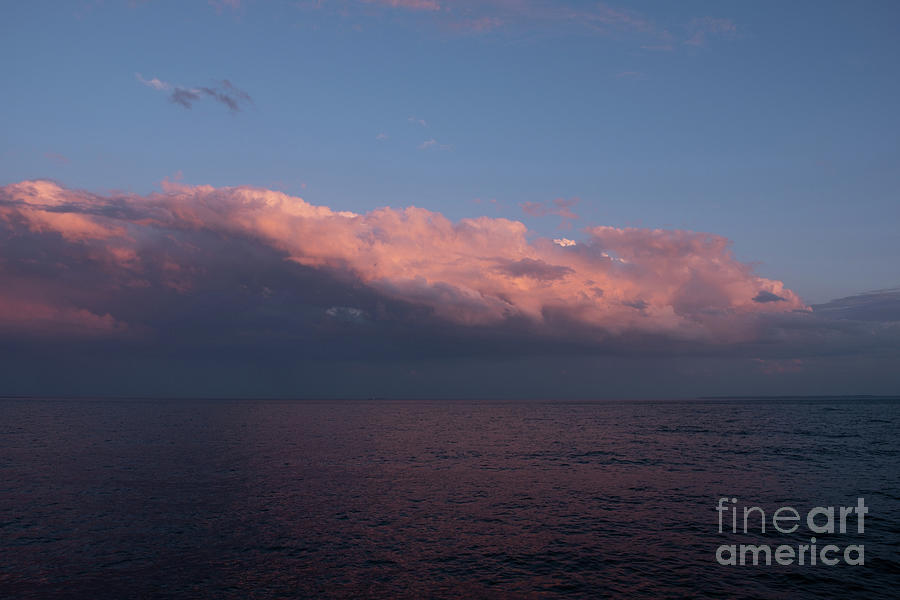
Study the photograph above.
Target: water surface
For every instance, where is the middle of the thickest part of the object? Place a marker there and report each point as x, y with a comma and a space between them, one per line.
437, 499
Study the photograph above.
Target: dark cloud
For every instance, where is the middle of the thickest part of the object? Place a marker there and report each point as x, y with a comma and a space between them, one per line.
536, 269
235, 91
881, 305
184, 97
228, 95
764, 296
636, 304
224, 92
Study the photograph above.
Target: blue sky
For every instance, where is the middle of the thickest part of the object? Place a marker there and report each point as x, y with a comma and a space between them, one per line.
772, 124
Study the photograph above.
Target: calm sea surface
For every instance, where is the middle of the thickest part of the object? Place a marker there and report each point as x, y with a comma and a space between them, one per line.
435, 499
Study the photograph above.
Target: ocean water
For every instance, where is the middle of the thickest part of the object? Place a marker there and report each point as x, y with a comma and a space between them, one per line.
436, 499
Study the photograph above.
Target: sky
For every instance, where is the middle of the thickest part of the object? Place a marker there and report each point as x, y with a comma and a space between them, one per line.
449, 198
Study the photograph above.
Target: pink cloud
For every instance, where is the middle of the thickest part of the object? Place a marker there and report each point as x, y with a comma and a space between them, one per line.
561, 207
57, 158
40, 207
608, 15
39, 317
154, 83
485, 16
427, 5
475, 272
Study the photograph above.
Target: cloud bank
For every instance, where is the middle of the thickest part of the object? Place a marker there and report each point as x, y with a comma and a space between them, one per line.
72, 258
247, 291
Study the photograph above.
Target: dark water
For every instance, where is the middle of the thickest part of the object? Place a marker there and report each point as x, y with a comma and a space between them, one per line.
423, 499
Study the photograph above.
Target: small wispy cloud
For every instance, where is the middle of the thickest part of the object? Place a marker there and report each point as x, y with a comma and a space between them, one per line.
478, 25
381, 137
426, 5
418, 121
658, 47
560, 207
224, 92
229, 95
235, 91
57, 158
154, 83
468, 17
433, 144
603, 14
700, 29
184, 97
220, 5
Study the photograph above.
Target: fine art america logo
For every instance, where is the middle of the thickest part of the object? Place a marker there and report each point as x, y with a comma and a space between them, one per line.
819, 520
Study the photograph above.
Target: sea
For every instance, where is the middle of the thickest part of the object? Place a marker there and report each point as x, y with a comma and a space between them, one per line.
274, 498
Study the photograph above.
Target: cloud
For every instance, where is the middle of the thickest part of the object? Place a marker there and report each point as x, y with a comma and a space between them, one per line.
346, 313
49, 320
562, 17
381, 137
477, 25
478, 273
220, 5
59, 159
534, 268
658, 47
426, 5
534, 209
236, 92
137, 294
780, 366
880, 306
154, 83
418, 121
184, 97
560, 207
607, 15
764, 296
700, 29
433, 144
225, 93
